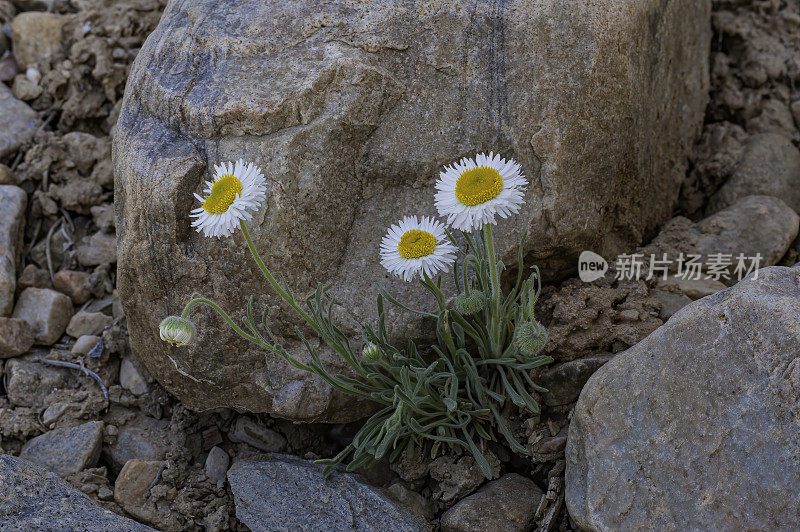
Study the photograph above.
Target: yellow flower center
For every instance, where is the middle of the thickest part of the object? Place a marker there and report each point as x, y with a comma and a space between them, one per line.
478, 185
416, 243
223, 192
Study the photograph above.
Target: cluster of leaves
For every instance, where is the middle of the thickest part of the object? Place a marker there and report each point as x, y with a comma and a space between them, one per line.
452, 401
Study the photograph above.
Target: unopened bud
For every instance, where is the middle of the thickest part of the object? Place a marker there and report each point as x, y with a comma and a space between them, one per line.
530, 338
371, 351
470, 304
176, 330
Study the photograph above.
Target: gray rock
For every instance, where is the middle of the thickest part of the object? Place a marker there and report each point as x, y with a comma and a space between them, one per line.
74, 284
67, 450
37, 38
100, 248
132, 487
18, 122
508, 504
413, 501
770, 166
48, 312
287, 493
599, 109
754, 225
12, 225
458, 476
247, 431
29, 383
142, 438
217, 464
696, 427
84, 323
25, 89
131, 378
35, 277
16, 337
34, 499
84, 344
54, 412
565, 380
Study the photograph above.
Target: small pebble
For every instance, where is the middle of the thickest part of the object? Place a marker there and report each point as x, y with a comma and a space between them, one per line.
85, 344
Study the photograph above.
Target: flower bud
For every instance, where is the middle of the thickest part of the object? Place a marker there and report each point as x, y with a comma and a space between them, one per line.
176, 330
530, 338
470, 304
371, 352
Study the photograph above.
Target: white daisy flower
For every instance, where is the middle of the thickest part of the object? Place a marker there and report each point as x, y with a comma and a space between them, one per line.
412, 246
470, 192
236, 190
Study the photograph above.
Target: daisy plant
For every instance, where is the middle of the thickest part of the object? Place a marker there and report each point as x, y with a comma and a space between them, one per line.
459, 390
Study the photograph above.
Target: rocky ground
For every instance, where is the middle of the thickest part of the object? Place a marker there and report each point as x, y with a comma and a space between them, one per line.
75, 402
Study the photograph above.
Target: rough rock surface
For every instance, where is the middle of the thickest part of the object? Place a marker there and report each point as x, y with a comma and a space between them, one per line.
352, 123
508, 503
66, 451
133, 484
696, 427
770, 166
16, 337
29, 383
74, 284
37, 38
287, 492
18, 122
12, 223
142, 438
34, 499
48, 312
87, 323
762, 225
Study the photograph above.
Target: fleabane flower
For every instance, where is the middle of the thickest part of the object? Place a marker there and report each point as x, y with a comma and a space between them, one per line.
176, 330
371, 352
412, 246
236, 190
471, 192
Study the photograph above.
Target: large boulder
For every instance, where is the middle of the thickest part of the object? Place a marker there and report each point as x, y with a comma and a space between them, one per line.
34, 499
351, 108
697, 427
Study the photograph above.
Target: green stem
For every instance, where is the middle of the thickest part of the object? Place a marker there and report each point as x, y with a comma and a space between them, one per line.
496, 332
224, 315
271, 279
